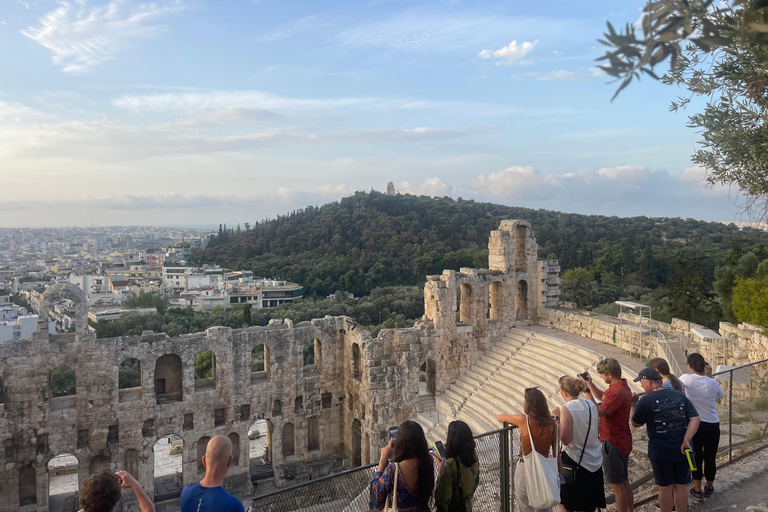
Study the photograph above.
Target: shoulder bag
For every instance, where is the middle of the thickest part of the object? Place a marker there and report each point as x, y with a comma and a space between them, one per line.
569, 471
391, 504
459, 506
542, 478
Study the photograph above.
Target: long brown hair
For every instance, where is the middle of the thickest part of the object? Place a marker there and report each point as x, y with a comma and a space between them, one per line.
460, 444
411, 444
661, 366
536, 407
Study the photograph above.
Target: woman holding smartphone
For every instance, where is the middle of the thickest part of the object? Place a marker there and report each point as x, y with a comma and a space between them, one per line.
459, 472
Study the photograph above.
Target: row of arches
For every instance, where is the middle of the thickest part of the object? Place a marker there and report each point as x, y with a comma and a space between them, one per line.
496, 302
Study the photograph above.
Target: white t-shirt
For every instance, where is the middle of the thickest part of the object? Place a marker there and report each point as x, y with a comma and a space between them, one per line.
593, 456
703, 391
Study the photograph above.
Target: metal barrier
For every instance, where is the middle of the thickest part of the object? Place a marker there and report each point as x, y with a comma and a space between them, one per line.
349, 491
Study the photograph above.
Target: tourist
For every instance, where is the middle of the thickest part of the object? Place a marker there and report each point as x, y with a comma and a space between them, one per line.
459, 473
408, 457
669, 379
614, 429
581, 449
208, 495
543, 432
704, 392
101, 491
671, 420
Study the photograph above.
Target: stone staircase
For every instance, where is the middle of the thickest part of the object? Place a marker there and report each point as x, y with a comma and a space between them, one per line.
496, 382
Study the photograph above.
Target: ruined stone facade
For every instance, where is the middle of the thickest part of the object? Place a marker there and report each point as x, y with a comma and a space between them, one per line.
342, 405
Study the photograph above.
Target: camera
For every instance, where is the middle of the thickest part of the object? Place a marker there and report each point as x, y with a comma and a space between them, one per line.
393, 433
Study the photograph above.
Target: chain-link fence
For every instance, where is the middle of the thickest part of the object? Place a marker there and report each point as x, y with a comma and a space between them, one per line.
349, 491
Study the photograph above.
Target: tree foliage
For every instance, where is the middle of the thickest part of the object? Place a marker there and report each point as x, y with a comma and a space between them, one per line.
62, 381
129, 374
750, 301
204, 365
146, 300
718, 50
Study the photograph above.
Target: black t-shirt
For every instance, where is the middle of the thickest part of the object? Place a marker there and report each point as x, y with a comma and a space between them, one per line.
665, 413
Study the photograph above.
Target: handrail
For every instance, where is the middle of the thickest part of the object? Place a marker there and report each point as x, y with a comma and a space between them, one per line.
740, 367
361, 468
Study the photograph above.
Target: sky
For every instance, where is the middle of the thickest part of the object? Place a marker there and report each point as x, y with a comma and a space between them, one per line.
198, 112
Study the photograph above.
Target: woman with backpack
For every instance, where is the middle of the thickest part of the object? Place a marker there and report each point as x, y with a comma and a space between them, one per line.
459, 473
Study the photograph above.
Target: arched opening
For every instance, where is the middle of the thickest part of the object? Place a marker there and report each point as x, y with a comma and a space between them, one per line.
63, 483
131, 461
496, 301
318, 354
202, 445
356, 361
521, 258
298, 405
308, 353
169, 471
259, 363
357, 436
63, 384
260, 450
168, 378
289, 447
277, 408
205, 371
431, 375
521, 302
2, 392
234, 437
367, 449
98, 462
129, 379
465, 304
313, 434
27, 486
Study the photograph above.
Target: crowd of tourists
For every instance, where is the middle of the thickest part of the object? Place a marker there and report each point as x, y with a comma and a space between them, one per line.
569, 452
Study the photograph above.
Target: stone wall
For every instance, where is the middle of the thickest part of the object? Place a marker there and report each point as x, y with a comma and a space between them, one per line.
357, 388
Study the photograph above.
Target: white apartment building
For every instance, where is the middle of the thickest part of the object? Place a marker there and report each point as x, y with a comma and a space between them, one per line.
22, 326
175, 277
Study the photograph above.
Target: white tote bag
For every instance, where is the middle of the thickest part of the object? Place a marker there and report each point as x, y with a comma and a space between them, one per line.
391, 504
542, 478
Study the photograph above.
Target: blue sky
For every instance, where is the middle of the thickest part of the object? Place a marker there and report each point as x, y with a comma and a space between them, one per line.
200, 112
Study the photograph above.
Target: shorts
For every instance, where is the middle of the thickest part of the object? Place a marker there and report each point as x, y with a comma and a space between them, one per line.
615, 464
668, 473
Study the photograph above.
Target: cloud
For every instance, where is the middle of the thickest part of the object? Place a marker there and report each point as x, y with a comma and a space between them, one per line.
572, 76
429, 187
333, 191
510, 54
511, 181
82, 37
13, 113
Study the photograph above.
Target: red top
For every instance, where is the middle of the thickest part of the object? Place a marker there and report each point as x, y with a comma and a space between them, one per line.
614, 424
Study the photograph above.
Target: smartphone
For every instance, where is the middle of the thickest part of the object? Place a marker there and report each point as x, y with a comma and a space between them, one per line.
393, 433
691, 456
584, 375
439, 449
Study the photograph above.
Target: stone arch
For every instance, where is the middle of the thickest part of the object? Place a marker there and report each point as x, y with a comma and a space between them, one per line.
431, 376
521, 301
131, 461
464, 303
259, 363
27, 485
260, 445
357, 373
496, 301
168, 471
63, 470
202, 445
234, 437
205, 370
357, 445
168, 379
289, 446
313, 434
98, 462
61, 291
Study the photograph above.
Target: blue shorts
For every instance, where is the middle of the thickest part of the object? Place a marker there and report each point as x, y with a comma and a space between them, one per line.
668, 473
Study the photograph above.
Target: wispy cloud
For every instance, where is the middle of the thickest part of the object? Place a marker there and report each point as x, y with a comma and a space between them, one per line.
429, 187
513, 53
572, 76
82, 37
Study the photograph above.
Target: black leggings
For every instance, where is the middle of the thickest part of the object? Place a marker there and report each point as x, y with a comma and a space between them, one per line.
705, 443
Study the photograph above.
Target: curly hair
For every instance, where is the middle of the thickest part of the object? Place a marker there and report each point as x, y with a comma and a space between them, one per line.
100, 492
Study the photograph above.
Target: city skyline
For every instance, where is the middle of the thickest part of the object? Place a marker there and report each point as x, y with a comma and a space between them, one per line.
187, 112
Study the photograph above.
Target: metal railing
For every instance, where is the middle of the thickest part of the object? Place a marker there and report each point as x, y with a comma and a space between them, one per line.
349, 491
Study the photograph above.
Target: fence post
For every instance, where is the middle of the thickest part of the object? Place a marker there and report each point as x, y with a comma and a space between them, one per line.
730, 420
504, 465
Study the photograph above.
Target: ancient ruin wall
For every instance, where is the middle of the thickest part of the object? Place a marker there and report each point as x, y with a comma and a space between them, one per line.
357, 388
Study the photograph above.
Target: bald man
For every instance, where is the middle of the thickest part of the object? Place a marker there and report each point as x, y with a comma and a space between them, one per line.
208, 495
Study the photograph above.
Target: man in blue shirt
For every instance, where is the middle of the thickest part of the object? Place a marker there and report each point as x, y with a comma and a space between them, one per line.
208, 495
671, 420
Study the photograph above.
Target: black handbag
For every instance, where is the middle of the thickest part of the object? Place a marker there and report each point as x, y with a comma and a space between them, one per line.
568, 475
459, 506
